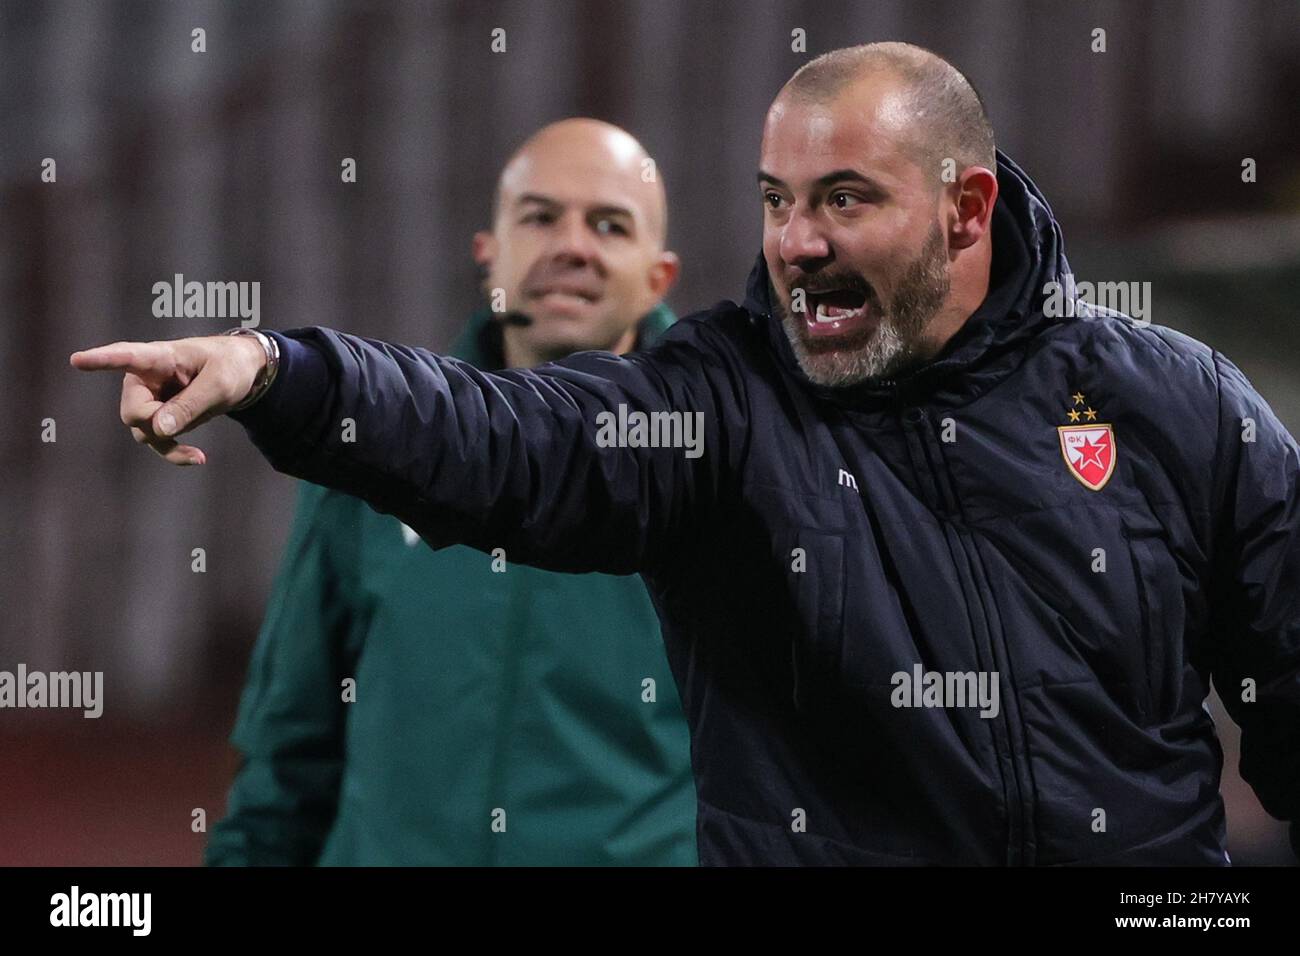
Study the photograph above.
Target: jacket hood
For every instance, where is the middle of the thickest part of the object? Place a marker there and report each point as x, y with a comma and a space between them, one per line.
1028, 253
479, 342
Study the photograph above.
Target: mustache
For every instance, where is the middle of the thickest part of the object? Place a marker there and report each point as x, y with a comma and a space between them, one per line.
841, 280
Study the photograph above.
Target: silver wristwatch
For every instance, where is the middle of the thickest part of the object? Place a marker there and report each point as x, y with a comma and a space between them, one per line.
267, 373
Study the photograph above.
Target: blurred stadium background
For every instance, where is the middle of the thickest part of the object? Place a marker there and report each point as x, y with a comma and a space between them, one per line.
225, 165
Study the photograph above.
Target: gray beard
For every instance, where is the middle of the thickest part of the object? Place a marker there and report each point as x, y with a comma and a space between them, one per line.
894, 346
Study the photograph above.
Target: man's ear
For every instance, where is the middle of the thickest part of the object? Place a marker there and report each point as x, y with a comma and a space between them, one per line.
484, 250
663, 274
974, 194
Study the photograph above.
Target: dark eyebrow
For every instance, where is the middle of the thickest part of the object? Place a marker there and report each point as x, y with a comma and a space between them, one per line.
839, 175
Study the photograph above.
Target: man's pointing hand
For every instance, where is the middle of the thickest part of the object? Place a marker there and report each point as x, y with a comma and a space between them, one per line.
172, 387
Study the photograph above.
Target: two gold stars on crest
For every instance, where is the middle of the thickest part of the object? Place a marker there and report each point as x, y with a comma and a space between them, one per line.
1088, 413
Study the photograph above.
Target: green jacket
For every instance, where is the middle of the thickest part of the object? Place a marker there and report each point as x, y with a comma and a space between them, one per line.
512, 716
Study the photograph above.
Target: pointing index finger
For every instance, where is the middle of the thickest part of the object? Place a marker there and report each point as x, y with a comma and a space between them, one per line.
132, 356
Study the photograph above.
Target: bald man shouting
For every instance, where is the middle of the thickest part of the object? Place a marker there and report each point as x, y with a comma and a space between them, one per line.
952, 575
407, 706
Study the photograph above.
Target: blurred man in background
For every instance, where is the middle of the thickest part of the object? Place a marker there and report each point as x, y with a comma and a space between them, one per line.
411, 706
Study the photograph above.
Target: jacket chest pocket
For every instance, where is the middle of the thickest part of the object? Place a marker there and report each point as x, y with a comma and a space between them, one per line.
1099, 589
810, 565
1162, 613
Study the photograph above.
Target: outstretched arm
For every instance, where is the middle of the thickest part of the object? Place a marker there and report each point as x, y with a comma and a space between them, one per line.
547, 463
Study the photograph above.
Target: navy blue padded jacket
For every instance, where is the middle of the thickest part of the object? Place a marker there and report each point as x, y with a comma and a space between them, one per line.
1103, 515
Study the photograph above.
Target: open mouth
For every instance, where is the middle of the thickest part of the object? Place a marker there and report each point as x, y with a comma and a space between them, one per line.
836, 311
836, 305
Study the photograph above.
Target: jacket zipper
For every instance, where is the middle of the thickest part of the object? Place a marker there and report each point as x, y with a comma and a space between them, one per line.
1018, 849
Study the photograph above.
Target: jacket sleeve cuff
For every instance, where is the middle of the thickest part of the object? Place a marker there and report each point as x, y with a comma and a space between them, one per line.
297, 401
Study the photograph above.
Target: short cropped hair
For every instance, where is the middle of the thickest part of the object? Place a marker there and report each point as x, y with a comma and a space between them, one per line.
950, 116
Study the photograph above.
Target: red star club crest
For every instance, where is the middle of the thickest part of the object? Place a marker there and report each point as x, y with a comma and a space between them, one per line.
1088, 448
1089, 452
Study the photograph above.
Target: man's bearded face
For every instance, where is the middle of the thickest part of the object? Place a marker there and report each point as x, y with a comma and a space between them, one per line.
856, 254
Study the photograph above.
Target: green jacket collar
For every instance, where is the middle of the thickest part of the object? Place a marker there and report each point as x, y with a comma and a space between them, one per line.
480, 344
